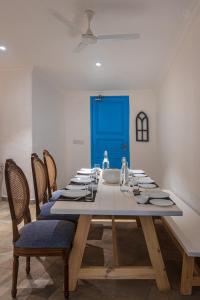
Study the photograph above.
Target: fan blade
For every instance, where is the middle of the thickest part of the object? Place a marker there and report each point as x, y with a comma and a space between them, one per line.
130, 36
60, 18
80, 47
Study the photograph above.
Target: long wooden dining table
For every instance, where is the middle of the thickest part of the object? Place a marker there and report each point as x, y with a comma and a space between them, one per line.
110, 201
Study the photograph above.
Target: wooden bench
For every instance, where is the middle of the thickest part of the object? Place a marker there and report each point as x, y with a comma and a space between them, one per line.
185, 231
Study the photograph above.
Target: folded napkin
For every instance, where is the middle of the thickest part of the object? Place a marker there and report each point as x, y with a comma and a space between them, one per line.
145, 199
77, 199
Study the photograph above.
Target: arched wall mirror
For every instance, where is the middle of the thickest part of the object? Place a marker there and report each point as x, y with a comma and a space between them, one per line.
142, 127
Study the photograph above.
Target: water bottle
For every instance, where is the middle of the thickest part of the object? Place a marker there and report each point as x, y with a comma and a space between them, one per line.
105, 163
127, 174
124, 175
123, 171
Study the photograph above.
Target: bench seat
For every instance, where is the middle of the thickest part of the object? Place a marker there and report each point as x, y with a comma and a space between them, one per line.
185, 229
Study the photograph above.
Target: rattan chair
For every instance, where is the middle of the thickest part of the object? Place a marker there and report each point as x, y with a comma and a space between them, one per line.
51, 172
38, 238
40, 182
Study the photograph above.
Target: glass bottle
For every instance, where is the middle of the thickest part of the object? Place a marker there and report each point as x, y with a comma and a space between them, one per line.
124, 174
105, 163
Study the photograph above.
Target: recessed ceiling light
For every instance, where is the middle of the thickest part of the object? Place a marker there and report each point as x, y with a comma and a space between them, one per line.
98, 64
2, 48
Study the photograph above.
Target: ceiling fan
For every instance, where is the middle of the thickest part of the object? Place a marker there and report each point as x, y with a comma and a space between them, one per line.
89, 37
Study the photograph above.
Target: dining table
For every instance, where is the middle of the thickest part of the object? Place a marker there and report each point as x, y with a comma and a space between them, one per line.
111, 201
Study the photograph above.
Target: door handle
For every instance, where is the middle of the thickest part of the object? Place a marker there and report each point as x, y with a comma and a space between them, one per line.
124, 147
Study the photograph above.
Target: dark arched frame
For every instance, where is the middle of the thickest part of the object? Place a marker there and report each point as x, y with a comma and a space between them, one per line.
142, 127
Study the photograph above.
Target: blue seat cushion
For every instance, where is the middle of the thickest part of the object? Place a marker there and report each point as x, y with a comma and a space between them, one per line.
46, 234
45, 214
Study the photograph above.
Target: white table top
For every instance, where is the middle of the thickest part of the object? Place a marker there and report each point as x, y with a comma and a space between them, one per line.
111, 201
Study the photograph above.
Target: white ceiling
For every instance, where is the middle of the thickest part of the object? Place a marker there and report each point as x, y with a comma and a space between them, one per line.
33, 37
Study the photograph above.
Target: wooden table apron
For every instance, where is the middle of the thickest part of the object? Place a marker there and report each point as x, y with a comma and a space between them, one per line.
110, 201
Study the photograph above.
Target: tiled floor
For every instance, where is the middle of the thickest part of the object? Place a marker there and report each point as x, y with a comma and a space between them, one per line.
46, 279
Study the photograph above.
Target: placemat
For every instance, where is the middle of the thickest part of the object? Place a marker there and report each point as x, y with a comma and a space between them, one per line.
82, 199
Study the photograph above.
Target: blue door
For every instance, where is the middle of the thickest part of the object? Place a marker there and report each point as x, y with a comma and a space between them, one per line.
109, 129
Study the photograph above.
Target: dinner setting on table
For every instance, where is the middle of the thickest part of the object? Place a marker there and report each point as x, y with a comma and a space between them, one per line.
84, 185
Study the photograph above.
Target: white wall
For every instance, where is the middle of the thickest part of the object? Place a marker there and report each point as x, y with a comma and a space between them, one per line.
77, 108
48, 124
31, 118
179, 121
16, 119
145, 155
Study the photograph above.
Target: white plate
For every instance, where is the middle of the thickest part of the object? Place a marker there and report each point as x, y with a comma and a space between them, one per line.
139, 175
161, 202
85, 172
84, 180
74, 194
84, 177
157, 194
75, 187
147, 185
137, 171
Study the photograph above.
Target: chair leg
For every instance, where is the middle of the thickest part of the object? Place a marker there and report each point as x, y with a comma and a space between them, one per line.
66, 276
15, 275
28, 265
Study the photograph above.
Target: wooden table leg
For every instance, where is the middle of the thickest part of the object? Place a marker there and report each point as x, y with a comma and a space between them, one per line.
78, 248
114, 242
187, 274
138, 222
155, 253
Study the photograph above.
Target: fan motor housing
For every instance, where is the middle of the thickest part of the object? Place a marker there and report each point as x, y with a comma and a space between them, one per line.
89, 38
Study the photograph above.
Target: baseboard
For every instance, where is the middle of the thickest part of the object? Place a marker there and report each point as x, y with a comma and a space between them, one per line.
4, 198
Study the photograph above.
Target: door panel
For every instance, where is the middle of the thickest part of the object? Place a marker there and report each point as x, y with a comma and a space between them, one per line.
109, 129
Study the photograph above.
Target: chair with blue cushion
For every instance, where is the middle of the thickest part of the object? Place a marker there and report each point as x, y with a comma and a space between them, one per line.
51, 172
40, 181
38, 238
